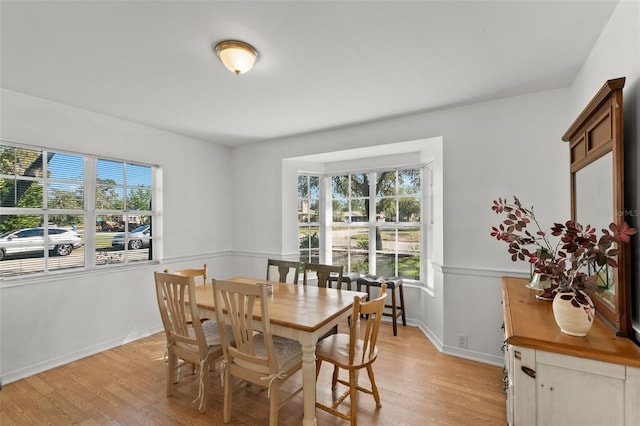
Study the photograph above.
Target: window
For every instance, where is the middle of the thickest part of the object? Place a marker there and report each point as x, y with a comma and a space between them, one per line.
374, 222
51, 201
123, 206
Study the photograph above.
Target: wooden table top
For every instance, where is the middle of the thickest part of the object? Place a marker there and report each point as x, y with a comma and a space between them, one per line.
530, 323
296, 306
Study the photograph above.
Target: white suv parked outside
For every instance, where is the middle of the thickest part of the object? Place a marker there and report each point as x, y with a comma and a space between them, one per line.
62, 241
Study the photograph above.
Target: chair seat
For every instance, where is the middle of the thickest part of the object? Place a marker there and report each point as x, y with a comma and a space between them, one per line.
288, 352
211, 333
335, 349
348, 279
374, 281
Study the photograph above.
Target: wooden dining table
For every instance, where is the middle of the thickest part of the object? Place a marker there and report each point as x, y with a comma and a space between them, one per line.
300, 312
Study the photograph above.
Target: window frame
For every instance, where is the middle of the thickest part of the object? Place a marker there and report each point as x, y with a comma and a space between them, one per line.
89, 212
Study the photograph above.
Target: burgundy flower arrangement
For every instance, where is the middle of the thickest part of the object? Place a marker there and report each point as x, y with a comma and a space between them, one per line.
565, 261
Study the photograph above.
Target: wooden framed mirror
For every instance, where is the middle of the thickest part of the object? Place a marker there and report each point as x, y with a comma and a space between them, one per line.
596, 157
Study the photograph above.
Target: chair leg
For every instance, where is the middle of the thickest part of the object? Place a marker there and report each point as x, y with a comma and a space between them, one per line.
353, 395
404, 317
334, 380
172, 372
228, 391
273, 407
394, 312
202, 400
374, 388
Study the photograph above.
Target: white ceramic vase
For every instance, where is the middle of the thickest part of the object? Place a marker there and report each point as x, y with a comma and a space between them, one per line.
574, 312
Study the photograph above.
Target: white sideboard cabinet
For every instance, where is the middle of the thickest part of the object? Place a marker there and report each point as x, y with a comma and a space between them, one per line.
555, 379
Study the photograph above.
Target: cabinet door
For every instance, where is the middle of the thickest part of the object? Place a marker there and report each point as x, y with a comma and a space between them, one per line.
523, 382
576, 391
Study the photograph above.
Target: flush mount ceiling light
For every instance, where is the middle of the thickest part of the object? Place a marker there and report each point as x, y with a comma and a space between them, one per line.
237, 56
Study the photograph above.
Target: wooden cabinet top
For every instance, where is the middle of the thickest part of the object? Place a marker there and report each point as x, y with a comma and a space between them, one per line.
529, 323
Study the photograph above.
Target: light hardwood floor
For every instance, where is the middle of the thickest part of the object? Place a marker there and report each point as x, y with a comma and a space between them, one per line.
126, 386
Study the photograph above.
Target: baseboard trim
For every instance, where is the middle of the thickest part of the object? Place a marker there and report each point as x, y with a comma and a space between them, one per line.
473, 355
13, 376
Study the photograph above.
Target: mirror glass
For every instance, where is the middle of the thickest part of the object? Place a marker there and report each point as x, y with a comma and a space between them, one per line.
593, 193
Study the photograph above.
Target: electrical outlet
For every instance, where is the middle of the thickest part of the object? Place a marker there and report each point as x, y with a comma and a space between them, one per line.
462, 340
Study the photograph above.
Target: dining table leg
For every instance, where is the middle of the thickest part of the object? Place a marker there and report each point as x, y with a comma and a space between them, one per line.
309, 382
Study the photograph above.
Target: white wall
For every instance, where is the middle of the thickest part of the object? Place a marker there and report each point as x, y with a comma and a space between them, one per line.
617, 54
492, 149
47, 322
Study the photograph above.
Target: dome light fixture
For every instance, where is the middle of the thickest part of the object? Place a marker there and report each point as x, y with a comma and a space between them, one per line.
237, 56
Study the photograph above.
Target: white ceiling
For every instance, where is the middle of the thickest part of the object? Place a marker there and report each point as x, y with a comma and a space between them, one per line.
323, 64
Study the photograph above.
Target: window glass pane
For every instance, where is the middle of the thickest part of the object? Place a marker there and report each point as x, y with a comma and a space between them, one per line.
409, 181
66, 242
303, 186
386, 264
340, 210
314, 186
109, 197
7, 160
314, 239
385, 209
360, 185
359, 239
340, 186
25, 250
386, 183
303, 211
358, 211
21, 248
314, 210
303, 238
409, 209
125, 238
340, 240
22, 193
409, 266
66, 167
65, 196
409, 252
138, 176
111, 172
314, 256
359, 262
20, 162
386, 239
138, 199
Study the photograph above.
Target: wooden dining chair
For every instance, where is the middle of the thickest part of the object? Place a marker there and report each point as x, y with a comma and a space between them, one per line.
287, 270
254, 355
188, 338
199, 275
350, 353
324, 273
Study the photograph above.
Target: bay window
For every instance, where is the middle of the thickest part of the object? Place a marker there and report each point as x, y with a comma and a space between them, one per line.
371, 222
